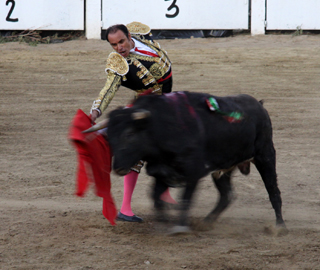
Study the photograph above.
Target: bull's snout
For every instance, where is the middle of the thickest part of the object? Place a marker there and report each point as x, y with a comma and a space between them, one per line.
121, 171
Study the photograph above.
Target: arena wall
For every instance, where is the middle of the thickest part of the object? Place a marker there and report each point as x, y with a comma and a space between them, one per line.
42, 14
258, 16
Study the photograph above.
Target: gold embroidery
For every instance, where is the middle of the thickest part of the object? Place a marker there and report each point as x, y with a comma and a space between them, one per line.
142, 72
136, 63
162, 55
156, 89
108, 91
117, 64
139, 37
143, 57
162, 61
157, 71
164, 64
138, 28
149, 79
156, 44
129, 60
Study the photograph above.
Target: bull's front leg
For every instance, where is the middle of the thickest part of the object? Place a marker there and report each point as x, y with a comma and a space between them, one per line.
159, 188
183, 223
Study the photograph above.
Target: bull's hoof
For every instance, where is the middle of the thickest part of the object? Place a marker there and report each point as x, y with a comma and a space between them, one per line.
202, 226
179, 230
282, 231
279, 230
210, 219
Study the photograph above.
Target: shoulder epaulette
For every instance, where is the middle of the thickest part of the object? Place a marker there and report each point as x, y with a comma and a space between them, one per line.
117, 64
138, 28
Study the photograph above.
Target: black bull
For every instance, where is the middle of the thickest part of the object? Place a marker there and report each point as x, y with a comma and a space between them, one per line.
182, 141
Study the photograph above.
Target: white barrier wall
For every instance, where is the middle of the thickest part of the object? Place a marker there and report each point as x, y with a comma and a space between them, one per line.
42, 14
258, 16
93, 19
178, 14
94, 15
290, 14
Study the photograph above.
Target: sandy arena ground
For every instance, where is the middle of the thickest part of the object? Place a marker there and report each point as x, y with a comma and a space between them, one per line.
44, 226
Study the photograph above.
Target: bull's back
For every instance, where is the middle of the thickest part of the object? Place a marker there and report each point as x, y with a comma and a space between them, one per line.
228, 143
183, 123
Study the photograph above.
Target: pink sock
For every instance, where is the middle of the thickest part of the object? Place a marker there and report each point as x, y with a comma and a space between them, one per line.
129, 183
166, 197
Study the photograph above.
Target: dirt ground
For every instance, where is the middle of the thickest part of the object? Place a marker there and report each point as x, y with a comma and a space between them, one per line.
44, 226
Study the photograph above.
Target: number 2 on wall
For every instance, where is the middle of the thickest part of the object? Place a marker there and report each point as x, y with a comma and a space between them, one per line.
10, 11
173, 5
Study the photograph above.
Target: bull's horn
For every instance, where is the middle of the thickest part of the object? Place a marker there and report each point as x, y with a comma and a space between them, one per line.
97, 126
141, 114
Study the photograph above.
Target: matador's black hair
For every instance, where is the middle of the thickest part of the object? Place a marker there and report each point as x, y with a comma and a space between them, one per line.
114, 28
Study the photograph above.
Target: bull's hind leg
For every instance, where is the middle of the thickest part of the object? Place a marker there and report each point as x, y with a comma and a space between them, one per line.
223, 184
266, 165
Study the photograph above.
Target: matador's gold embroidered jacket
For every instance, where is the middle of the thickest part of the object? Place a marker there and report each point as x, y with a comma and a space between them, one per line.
136, 72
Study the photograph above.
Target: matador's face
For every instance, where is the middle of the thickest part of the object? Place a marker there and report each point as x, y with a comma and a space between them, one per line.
120, 42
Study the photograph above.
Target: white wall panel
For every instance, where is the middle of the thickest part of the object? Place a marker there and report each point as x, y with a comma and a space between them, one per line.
290, 14
258, 17
188, 14
42, 14
93, 19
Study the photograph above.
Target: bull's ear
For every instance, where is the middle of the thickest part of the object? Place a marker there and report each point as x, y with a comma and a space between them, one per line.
140, 114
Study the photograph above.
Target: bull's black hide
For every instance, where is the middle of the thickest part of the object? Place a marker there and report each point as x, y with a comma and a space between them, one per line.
182, 141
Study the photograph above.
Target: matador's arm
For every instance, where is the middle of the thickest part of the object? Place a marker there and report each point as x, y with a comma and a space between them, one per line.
116, 68
107, 92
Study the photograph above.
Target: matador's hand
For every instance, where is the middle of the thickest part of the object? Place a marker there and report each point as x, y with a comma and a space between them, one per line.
94, 115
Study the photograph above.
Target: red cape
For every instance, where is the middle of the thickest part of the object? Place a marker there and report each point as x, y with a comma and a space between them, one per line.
94, 163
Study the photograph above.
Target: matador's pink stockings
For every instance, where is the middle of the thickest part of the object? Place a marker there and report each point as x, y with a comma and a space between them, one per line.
130, 181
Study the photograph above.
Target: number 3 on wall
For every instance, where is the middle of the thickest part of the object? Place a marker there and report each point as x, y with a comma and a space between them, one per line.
10, 11
173, 5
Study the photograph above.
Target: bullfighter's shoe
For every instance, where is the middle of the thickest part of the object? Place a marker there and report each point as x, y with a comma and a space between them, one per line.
122, 217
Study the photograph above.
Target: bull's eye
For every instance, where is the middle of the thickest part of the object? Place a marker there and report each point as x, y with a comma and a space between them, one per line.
129, 135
